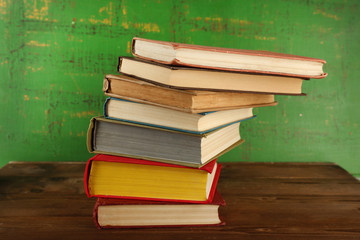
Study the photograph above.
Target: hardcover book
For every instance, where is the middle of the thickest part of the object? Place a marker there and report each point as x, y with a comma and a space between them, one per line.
208, 79
253, 61
129, 178
121, 213
193, 101
119, 138
198, 123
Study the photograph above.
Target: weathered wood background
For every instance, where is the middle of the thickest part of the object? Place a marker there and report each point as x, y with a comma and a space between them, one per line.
54, 54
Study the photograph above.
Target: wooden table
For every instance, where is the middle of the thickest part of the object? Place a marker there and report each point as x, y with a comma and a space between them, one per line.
264, 201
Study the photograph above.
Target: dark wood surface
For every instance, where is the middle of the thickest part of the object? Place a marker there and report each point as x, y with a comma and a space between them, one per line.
264, 201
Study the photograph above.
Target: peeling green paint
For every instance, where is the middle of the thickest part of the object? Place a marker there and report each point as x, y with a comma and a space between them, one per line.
54, 55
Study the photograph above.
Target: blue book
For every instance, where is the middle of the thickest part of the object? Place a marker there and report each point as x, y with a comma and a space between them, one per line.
150, 115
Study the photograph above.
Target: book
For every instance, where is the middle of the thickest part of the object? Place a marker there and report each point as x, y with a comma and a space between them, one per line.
129, 178
107, 136
228, 59
150, 115
208, 79
122, 213
193, 101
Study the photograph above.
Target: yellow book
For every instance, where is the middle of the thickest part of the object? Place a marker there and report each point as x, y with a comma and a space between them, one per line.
122, 177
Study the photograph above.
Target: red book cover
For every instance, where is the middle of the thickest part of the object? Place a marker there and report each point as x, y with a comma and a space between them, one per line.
217, 200
110, 158
260, 53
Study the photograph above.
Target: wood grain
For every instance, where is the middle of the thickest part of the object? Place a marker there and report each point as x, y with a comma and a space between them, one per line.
264, 201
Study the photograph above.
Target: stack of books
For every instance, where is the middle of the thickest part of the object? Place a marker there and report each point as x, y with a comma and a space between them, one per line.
172, 111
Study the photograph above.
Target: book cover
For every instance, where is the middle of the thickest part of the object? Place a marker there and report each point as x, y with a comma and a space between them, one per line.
192, 78
193, 101
171, 139
208, 168
174, 47
137, 222
170, 124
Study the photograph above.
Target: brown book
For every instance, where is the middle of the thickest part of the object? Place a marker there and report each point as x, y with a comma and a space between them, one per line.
193, 101
208, 79
229, 59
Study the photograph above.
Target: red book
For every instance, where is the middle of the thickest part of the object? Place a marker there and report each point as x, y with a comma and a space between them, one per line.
130, 178
121, 213
252, 61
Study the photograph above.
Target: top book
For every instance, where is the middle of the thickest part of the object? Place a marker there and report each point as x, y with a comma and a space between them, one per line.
251, 61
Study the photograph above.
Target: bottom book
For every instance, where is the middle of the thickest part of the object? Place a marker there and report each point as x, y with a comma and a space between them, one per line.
121, 213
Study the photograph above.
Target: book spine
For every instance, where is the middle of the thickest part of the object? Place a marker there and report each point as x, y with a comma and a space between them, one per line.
95, 214
86, 177
215, 182
106, 85
105, 107
89, 139
119, 64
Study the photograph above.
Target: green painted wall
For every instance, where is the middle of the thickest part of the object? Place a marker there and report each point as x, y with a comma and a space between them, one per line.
54, 54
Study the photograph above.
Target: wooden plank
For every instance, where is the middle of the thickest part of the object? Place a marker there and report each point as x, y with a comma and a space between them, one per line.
311, 205
319, 170
278, 213
58, 185
43, 169
241, 178
81, 228
243, 169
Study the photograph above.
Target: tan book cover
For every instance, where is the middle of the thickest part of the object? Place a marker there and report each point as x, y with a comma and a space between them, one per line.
190, 78
193, 101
